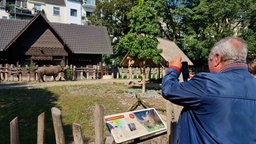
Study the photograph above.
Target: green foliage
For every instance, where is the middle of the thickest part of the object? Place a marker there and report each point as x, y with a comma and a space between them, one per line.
250, 36
68, 74
113, 15
249, 33
143, 20
208, 21
31, 67
141, 42
140, 47
194, 25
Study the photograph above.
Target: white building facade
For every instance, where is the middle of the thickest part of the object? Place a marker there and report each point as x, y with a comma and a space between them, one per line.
3, 13
74, 12
59, 11
53, 12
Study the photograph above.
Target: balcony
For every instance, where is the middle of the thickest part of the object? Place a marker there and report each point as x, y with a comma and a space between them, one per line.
91, 4
19, 12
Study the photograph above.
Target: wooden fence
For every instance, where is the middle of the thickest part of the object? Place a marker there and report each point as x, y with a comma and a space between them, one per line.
100, 138
17, 73
14, 73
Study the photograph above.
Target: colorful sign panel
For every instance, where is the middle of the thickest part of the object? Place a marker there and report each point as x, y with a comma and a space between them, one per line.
130, 125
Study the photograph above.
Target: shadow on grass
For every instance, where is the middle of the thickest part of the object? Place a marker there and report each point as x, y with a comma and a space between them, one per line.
26, 104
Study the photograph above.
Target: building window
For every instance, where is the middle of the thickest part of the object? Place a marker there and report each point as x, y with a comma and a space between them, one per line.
90, 2
37, 7
21, 3
88, 13
56, 11
73, 12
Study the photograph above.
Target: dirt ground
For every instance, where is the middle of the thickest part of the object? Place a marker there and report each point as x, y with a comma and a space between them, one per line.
158, 103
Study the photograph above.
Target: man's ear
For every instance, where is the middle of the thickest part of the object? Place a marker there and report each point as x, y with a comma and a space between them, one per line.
217, 60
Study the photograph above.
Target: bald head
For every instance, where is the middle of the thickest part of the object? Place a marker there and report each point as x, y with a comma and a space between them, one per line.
237, 43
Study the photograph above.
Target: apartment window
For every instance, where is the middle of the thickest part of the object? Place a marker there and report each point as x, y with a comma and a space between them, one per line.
88, 13
56, 11
73, 12
21, 3
91, 2
37, 7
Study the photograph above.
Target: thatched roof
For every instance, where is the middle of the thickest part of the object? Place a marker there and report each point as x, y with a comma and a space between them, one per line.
169, 51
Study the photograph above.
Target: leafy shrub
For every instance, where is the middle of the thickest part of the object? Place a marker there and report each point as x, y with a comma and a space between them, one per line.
68, 74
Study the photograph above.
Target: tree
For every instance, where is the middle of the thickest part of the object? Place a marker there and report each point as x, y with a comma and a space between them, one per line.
208, 21
113, 15
141, 42
194, 25
249, 33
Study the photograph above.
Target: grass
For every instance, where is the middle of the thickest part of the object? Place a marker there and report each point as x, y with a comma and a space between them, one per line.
76, 103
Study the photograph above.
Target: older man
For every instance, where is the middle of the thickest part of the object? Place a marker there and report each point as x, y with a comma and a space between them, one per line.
220, 106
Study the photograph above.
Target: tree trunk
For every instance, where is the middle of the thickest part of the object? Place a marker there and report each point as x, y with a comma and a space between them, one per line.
130, 68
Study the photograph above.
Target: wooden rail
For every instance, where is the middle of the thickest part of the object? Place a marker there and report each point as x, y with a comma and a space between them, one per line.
14, 73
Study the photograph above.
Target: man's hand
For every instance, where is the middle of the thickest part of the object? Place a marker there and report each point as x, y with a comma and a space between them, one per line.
176, 62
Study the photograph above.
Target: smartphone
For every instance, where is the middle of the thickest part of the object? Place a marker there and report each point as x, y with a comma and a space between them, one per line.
185, 70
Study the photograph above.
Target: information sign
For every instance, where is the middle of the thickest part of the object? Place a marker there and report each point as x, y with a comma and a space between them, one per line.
130, 125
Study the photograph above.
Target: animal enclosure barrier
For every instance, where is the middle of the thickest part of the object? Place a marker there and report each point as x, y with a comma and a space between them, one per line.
88, 72
151, 73
99, 123
28, 73
12, 73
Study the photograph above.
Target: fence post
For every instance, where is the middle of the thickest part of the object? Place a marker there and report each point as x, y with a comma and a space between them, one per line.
74, 77
81, 74
36, 74
28, 76
117, 75
94, 75
1, 72
99, 124
14, 131
77, 133
170, 122
87, 72
40, 128
57, 124
20, 76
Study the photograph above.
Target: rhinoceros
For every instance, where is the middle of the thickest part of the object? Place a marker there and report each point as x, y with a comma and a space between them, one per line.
48, 71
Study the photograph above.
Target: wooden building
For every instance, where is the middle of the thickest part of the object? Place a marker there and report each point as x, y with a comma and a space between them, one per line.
43, 43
